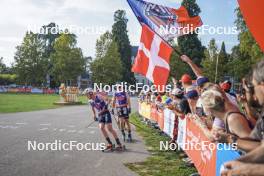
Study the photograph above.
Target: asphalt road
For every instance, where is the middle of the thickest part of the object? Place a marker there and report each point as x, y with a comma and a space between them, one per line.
65, 124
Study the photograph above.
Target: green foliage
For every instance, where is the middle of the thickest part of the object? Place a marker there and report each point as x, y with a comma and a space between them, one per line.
30, 63
177, 67
209, 62
49, 35
120, 36
189, 44
246, 53
160, 162
67, 59
6, 79
108, 69
215, 65
192, 7
102, 44
3, 67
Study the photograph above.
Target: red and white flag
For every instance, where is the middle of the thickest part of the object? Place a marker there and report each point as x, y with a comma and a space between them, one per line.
153, 57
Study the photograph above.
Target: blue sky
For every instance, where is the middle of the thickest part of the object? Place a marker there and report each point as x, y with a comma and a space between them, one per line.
17, 16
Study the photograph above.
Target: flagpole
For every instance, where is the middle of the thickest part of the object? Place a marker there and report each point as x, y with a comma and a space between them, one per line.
216, 67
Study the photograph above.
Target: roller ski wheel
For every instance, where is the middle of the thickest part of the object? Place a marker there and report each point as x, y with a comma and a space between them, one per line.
120, 148
109, 148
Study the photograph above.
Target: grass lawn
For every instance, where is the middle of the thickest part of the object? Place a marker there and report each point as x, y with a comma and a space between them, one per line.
28, 102
160, 163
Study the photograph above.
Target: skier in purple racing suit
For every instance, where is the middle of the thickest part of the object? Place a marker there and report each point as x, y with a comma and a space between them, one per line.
104, 118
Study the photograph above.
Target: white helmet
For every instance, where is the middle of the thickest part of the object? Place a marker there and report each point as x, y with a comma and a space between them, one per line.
88, 91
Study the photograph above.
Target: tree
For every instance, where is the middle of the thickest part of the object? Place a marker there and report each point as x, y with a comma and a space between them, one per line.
223, 63
30, 63
240, 63
67, 59
49, 34
3, 66
209, 62
246, 53
189, 44
177, 67
102, 44
108, 69
6, 79
247, 43
120, 37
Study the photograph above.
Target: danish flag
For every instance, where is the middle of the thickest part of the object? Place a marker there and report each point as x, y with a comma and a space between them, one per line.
153, 57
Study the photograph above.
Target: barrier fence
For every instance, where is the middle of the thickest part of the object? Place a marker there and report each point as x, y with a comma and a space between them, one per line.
28, 90
208, 157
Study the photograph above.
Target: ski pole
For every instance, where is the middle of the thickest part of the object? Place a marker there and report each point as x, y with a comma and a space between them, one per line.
91, 123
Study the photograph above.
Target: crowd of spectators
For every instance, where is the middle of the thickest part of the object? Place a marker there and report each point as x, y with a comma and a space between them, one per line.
225, 117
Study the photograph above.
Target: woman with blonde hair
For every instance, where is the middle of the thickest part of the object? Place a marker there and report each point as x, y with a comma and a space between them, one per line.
216, 104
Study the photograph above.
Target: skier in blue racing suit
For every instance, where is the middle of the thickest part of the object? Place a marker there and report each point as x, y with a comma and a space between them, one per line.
121, 102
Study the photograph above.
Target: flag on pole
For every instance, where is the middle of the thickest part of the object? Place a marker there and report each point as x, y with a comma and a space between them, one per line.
153, 57
167, 22
160, 25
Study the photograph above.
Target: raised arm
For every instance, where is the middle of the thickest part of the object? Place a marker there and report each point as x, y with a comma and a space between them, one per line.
197, 71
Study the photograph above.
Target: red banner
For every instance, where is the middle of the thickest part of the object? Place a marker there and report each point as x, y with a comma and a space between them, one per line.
199, 149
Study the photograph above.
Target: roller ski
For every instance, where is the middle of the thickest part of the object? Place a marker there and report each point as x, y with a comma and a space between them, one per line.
109, 148
120, 148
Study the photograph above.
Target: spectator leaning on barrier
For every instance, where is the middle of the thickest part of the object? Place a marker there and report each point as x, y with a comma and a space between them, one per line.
200, 82
253, 162
180, 104
192, 97
226, 86
216, 105
186, 82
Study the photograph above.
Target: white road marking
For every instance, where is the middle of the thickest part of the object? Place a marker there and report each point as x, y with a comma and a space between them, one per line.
80, 131
93, 127
54, 129
45, 124
8, 126
61, 130
99, 162
21, 123
71, 131
43, 129
66, 155
92, 132
71, 126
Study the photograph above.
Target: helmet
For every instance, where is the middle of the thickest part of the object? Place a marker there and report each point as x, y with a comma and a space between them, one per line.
88, 91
